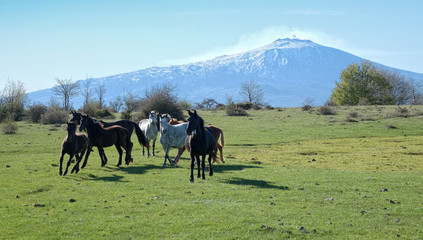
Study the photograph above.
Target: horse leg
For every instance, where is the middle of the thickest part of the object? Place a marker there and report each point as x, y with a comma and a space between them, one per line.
198, 165
191, 179
154, 146
60, 162
203, 166
148, 152
210, 166
120, 154
143, 150
68, 164
166, 150
102, 156
220, 148
78, 160
176, 160
128, 157
86, 158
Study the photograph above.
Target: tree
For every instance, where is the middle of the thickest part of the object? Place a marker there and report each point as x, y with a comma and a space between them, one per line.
252, 92
362, 84
12, 100
86, 90
163, 99
116, 105
66, 88
100, 90
401, 88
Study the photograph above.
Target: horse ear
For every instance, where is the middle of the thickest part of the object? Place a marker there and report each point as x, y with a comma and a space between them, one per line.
195, 112
189, 112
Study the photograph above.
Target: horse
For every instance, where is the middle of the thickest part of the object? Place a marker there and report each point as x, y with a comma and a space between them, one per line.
74, 144
201, 143
171, 136
101, 136
129, 125
217, 133
149, 129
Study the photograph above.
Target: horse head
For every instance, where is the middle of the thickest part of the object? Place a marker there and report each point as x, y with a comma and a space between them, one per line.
164, 122
83, 122
71, 128
76, 117
153, 117
195, 122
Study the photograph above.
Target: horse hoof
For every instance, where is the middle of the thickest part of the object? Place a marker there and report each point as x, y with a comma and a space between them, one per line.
191, 180
164, 166
211, 174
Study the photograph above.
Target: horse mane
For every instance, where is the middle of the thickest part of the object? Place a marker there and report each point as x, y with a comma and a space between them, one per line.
201, 121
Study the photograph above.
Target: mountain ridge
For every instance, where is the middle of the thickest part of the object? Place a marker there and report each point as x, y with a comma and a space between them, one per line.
289, 70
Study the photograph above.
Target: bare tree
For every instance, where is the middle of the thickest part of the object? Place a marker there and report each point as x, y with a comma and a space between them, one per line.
100, 90
416, 93
66, 88
401, 88
86, 90
116, 104
252, 92
12, 100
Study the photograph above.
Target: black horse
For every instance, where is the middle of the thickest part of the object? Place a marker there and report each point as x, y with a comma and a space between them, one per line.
201, 143
101, 137
129, 125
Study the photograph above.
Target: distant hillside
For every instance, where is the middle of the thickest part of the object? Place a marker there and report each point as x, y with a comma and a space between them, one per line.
289, 71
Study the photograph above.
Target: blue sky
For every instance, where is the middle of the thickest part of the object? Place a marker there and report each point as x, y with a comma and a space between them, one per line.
43, 40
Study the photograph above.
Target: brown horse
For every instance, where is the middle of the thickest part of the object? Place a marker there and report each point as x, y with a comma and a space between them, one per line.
100, 137
129, 125
74, 144
217, 133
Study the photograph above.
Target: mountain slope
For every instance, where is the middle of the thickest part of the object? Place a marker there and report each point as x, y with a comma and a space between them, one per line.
289, 71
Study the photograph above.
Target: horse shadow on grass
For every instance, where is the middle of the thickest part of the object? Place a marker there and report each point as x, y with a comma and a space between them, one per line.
113, 178
139, 169
230, 168
255, 183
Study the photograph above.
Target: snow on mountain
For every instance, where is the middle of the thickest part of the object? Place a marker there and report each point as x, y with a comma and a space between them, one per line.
289, 71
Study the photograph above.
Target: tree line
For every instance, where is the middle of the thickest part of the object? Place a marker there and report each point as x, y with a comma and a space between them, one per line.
359, 84
365, 84
14, 104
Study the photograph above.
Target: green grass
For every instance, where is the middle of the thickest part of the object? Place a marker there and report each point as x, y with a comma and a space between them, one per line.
288, 174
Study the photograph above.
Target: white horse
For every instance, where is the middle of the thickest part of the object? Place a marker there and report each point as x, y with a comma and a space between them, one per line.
172, 136
150, 130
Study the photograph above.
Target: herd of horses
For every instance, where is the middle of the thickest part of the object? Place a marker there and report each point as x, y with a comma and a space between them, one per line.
192, 136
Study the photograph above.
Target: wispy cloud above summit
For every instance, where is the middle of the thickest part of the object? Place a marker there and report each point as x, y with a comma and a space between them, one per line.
259, 38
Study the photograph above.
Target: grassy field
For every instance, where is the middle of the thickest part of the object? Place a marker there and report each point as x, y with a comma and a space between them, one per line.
288, 174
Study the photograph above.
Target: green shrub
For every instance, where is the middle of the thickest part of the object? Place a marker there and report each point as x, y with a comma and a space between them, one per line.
35, 112
9, 126
233, 110
54, 115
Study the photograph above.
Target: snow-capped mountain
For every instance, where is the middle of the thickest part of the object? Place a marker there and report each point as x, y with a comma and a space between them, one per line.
288, 70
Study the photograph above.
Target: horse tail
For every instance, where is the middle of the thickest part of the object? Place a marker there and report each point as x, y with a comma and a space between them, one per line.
141, 137
222, 139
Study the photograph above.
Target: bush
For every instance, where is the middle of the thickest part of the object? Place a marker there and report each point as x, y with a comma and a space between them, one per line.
126, 115
35, 112
93, 110
162, 99
9, 126
401, 112
327, 110
54, 115
233, 110
307, 107
245, 106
